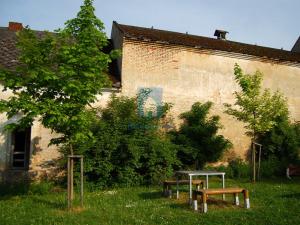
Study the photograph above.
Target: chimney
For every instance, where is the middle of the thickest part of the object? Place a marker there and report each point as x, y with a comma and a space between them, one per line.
296, 47
14, 26
221, 34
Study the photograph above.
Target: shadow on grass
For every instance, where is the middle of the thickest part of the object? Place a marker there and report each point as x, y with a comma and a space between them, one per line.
151, 195
219, 203
278, 180
8, 191
294, 195
55, 204
180, 205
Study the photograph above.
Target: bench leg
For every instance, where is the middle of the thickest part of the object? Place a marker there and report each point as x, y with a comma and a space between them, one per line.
170, 193
195, 203
236, 199
204, 198
246, 199
164, 190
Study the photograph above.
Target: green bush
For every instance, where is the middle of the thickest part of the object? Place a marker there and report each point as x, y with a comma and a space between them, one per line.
282, 142
40, 188
236, 168
127, 148
197, 137
239, 168
272, 167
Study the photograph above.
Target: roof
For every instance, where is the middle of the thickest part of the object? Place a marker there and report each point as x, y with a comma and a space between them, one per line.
9, 52
296, 47
200, 42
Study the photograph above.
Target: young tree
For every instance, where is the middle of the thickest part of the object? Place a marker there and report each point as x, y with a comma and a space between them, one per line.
197, 137
258, 109
58, 76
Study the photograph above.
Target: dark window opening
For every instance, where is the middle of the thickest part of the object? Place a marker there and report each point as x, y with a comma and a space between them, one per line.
21, 148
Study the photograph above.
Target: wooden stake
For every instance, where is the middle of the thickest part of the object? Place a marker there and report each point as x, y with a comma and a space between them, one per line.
69, 184
72, 178
81, 181
259, 159
70, 188
253, 162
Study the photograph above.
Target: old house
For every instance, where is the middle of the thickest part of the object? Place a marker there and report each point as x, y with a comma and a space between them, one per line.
27, 153
179, 68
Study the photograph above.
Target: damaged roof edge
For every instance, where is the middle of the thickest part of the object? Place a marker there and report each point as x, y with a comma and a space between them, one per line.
183, 39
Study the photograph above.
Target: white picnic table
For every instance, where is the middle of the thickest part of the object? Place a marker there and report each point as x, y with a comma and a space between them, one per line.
191, 173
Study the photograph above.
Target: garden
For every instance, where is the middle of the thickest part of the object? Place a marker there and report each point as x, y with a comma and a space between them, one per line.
128, 151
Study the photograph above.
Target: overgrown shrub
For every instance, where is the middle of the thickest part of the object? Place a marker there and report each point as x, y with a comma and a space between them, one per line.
128, 149
197, 137
239, 168
282, 142
272, 167
236, 168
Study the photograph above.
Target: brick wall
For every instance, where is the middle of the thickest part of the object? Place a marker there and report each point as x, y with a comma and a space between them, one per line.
188, 75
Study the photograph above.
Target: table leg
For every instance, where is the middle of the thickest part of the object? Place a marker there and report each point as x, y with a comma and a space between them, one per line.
190, 200
223, 185
206, 182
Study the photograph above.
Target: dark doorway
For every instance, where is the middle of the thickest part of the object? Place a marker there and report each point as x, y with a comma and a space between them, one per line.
21, 148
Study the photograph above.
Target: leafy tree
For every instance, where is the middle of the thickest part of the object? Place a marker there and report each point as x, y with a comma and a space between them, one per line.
197, 137
282, 141
128, 149
59, 74
258, 109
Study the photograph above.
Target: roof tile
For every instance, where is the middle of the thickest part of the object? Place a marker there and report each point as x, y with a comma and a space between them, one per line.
194, 41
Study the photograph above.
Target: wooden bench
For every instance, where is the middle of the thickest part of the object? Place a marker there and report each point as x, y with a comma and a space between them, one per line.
292, 170
167, 191
218, 191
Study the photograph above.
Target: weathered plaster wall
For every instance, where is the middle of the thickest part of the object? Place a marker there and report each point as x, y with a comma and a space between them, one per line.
4, 135
187, 76
43, 158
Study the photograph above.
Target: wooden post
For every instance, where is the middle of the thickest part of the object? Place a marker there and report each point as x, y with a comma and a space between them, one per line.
259, 159
256, 171
69, 183
253, 162
204, 199
81, 181
70, 189
72, 178
246, 199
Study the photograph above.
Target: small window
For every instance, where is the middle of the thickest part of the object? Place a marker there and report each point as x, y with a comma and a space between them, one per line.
20, 148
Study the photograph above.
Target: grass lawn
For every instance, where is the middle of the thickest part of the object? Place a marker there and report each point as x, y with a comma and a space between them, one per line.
272, 202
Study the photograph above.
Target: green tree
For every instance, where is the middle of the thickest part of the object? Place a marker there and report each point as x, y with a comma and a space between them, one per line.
58, 76
256, 108
197, 137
